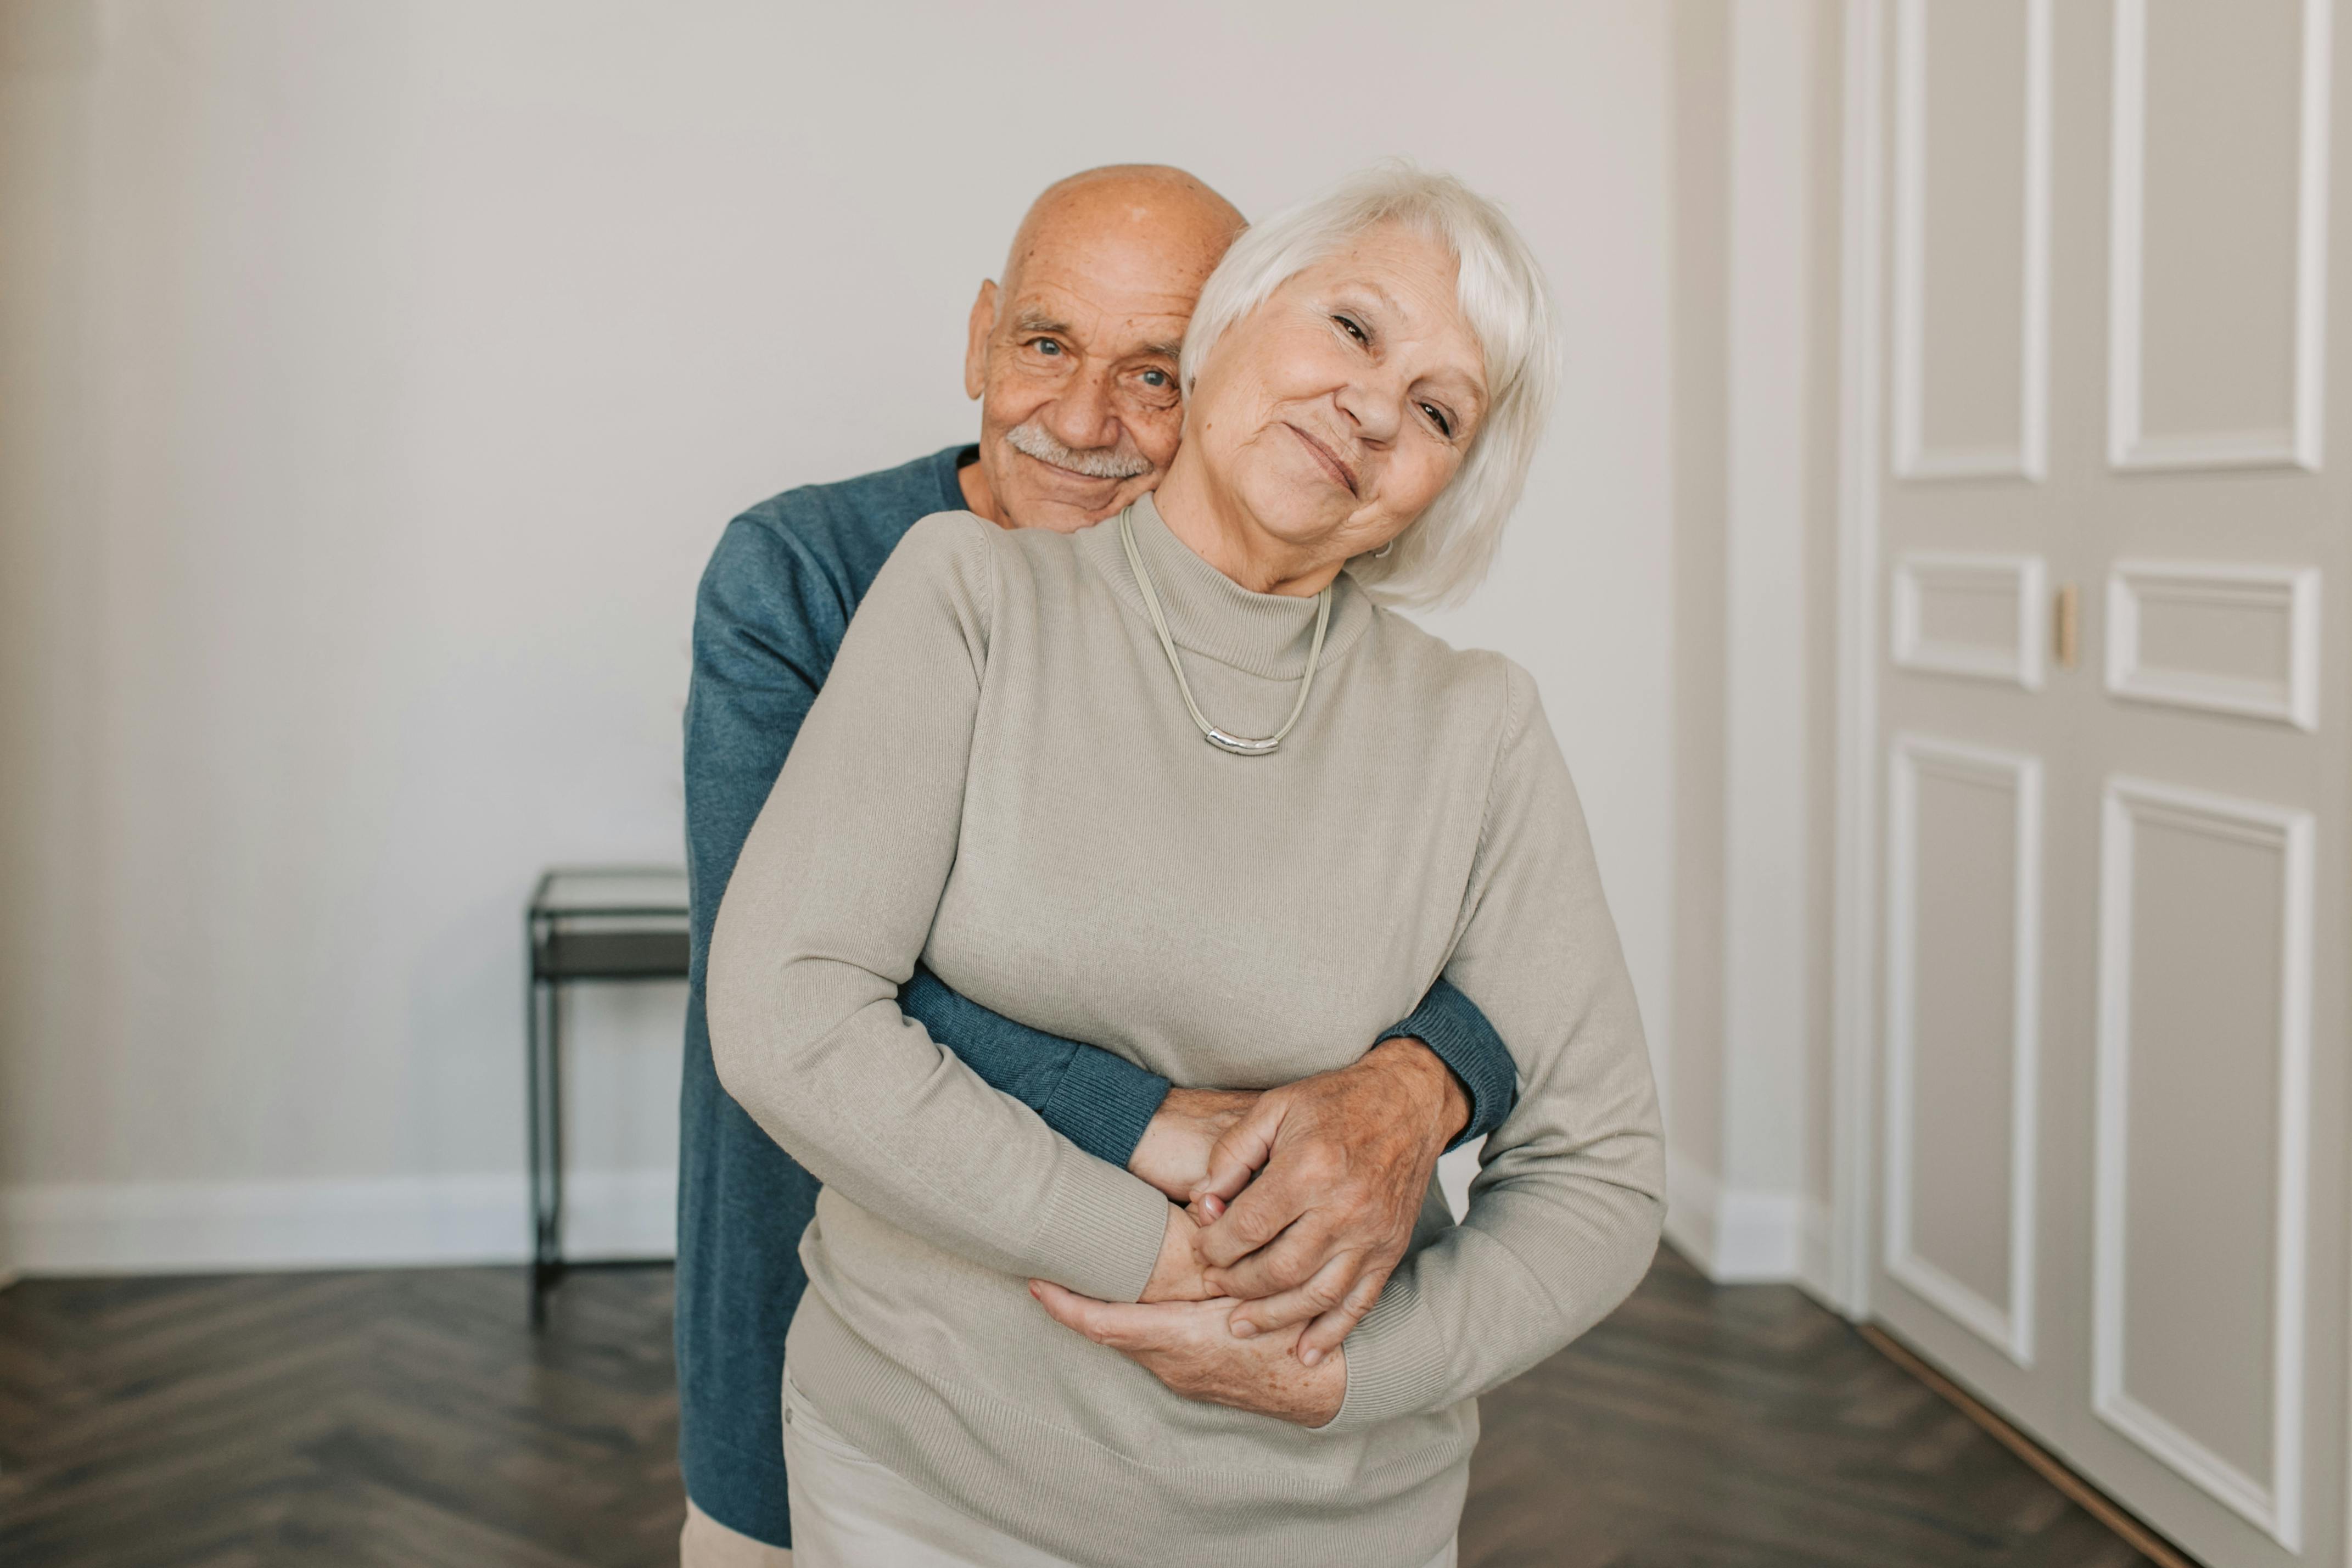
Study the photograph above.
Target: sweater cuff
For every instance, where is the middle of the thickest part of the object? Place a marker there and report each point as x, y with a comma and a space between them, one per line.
1458, 1035
1396, 1360
1103, 1103
1102, 1229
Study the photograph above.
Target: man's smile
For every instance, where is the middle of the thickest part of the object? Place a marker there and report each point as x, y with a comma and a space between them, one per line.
1070, 477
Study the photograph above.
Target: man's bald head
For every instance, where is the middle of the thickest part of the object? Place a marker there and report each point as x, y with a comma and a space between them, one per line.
1073, 353
1152, 204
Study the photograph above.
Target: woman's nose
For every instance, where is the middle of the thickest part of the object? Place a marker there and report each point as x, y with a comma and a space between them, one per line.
1375, 410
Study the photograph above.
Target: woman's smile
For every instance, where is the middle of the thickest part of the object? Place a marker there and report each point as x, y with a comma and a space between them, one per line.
1341, 475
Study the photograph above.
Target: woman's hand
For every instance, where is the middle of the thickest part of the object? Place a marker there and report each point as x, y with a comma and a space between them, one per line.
1188, 1346
1173, 1152
1182, 1273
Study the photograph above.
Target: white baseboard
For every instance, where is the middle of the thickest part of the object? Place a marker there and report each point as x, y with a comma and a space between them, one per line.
1740, 1238
1815, 1270
1690, 1210
232, 1226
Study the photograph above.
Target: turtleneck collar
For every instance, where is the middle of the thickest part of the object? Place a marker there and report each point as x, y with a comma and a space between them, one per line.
1213, 616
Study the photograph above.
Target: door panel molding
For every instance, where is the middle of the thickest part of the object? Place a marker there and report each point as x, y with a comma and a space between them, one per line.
2298, 445
2288, 592
2028, 457
2017, 659
2008, 1326
2275, 1504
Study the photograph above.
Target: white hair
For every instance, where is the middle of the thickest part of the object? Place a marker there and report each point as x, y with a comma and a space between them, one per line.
1444, 552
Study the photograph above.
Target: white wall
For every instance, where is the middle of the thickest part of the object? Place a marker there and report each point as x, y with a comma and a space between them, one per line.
373, 383
1768, 1019
1749, 460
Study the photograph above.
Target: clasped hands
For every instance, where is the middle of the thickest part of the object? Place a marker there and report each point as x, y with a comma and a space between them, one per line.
1297, 1205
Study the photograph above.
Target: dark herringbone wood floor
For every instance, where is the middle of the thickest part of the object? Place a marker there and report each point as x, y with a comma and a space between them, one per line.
381, 1419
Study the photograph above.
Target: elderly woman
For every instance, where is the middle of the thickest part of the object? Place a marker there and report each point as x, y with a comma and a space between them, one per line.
1179, 786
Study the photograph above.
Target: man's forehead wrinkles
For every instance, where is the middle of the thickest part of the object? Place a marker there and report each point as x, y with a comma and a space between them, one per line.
1074, 313
1134, 304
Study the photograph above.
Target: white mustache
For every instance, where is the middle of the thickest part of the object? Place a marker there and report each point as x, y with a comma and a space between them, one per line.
1120, 462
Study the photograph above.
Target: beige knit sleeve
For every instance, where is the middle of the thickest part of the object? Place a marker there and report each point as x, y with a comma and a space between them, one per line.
1565, 1212
829, 907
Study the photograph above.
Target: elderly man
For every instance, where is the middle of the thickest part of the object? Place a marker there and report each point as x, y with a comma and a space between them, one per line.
1072, 358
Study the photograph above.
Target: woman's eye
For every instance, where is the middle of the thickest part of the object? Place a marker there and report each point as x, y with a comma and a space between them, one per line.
1354, 330
1437, 417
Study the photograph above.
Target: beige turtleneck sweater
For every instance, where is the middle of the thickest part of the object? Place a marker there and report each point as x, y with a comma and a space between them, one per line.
1000, 780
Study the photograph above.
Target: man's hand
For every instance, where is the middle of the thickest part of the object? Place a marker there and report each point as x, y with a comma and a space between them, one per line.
1173, 1154
1188, 1346
1346, 1159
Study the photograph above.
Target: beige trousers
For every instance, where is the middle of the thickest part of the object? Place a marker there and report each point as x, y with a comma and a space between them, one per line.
851, 1512
707, 1543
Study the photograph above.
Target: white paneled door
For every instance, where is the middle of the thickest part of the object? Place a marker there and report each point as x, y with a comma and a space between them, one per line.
2109, 515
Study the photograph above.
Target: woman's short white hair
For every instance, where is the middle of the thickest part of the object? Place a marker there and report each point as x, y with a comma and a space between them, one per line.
1503, 296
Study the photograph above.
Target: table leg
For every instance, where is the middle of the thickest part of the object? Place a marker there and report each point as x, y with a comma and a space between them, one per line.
540, 1059
532, 1117
554, 1131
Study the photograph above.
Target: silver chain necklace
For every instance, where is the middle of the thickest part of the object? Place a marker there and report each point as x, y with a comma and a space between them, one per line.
1240, 745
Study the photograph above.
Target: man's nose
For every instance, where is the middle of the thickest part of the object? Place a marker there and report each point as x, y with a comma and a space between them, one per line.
1083, 417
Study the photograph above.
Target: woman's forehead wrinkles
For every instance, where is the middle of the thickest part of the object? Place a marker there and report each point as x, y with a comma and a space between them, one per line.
1371, 284
1424, 307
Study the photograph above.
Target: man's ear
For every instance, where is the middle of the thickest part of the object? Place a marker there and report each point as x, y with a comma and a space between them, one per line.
975, 345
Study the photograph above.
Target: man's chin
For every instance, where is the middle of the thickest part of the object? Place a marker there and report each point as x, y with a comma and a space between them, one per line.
1068, 502
1059, 517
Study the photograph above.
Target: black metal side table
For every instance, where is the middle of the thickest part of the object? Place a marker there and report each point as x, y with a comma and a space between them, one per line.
583, 923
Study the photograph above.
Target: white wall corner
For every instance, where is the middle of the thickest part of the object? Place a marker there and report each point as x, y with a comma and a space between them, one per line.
1817, 1256
1853, 900
156, 1227
1737, 1238
1767, 1012
1690, 1210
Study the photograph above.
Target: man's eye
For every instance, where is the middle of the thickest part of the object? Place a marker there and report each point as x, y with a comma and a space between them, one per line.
1155, 379
1046, 346
1437, 417
1354, 330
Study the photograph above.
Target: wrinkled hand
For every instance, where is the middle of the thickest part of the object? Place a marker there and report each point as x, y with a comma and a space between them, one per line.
1173, 1154
1183, 1273
1189, 1346
1314, 1193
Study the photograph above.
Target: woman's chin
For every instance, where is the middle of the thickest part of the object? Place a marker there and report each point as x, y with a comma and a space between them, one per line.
1302, 516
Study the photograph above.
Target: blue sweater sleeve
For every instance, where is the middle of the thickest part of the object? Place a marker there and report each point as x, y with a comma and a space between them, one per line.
1452, 1026
1098, 1100
768, 622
